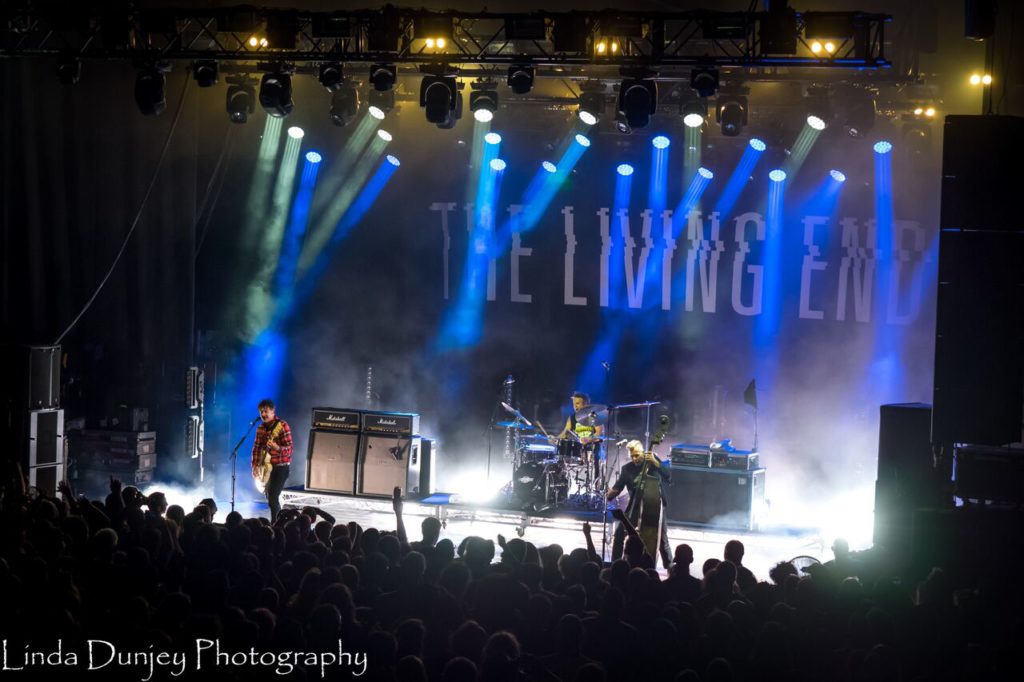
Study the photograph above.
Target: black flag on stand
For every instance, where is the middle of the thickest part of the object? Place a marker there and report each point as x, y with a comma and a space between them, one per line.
750, 394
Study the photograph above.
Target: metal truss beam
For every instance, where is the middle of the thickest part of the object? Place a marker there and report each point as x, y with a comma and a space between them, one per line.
648, 42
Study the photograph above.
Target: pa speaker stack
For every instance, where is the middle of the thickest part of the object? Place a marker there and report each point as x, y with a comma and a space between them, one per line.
368, 454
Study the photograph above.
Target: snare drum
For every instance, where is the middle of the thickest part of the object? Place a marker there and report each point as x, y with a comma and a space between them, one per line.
569, 449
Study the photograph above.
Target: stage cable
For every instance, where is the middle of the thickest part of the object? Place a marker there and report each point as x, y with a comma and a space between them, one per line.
138, 214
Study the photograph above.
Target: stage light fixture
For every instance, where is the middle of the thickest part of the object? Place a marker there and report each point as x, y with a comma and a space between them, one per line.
205, 72
344, 104
621, 124
757, 144
882, 147
435, 31
704, 80
705, 173
816, 47
393, 160
731, 114
276, 94
582, 140
437, 97
456, 115
694, 112
624, 169
240, 102
638, 100
520, 79
381, 102
383, 76
778, 29
492, 138
856, 109
975, 79
150, 93
986, 79
257, 41
385, 135
548, 166
331, 76
838, 176
483, 100
592, 102
498, 165
818, 102
777, 175
296, 133
69, 70
815, 122
929, 112
661, 142
314, 157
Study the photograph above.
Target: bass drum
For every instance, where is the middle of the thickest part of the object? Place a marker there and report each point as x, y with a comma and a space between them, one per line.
540, 482
569, 449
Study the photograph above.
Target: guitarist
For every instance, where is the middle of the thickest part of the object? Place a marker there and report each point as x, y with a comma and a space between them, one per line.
629, 479
273, 439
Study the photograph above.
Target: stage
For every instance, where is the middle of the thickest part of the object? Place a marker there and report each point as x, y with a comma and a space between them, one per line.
764, 547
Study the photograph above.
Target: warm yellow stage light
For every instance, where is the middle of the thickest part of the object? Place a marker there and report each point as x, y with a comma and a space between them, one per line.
815, 47
986, 79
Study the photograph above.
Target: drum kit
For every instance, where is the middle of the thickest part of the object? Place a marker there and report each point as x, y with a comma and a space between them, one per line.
551, 473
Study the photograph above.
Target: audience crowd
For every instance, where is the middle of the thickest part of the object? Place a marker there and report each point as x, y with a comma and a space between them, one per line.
150, 577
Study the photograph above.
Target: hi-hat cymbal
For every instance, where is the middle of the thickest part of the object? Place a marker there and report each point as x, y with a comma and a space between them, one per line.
592, 415
513, 425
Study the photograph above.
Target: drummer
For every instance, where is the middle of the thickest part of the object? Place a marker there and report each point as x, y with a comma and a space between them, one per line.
579, 430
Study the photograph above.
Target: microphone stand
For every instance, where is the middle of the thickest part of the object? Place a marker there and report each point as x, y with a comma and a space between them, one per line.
234, 459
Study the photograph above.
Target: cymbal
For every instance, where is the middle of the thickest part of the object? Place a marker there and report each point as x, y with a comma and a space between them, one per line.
645, 404
513, 425
592, 415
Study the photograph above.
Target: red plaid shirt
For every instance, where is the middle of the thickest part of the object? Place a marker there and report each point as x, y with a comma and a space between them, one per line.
283, 438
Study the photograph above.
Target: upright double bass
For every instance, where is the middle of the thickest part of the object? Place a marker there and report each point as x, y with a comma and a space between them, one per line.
645, 512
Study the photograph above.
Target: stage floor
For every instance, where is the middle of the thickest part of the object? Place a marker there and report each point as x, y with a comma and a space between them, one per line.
764, 547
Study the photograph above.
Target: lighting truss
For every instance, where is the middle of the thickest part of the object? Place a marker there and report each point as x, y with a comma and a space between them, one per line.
666, 39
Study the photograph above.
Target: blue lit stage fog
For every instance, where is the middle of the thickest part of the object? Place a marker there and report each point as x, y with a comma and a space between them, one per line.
671, 265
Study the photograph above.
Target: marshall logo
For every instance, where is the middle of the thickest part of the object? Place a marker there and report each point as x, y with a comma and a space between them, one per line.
336, 420
387, 422
391, 423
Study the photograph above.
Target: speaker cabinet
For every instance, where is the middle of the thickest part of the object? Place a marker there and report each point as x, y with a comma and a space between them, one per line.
720, 498
46, 465
428, 466
31, 377
331, 463
386, 462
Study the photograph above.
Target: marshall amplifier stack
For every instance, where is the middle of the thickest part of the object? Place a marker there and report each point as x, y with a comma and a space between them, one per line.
363, 453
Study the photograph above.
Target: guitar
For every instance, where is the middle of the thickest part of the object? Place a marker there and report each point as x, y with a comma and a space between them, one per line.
261, 472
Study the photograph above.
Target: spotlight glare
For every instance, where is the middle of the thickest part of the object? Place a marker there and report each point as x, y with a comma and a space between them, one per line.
705, 173
693, 120
777, 175
883, 147
492, 138
757, 144
582, 140
263, 42
624, 169
313, 157
815, 47
441, 42
384, 135
660, 142
376, 112
254, 41
549, 167
393, 160
588, 118
296, 132
430, 43
929, 112
918, 111
976, 79
830, 47
483, 115
986, 79
815, 122
838, 176
497, 165
602, 47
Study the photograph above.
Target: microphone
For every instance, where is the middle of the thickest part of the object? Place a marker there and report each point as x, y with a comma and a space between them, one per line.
606, 364
253, 422
622, 442
509, 381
